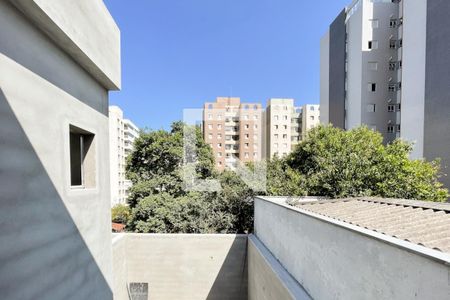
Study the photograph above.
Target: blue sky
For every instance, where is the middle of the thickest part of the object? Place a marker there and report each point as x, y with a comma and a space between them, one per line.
177, 54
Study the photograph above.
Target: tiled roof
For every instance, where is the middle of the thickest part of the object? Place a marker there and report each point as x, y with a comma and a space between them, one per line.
117, 227
419, 222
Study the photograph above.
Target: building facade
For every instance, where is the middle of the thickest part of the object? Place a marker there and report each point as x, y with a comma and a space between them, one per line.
310, 118
385, 64
233, 130
58, 60
286, 125
122, 133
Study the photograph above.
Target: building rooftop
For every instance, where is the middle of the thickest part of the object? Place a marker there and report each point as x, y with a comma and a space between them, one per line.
423, 223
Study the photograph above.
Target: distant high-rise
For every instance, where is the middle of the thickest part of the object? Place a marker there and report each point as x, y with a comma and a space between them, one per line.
386, 64
122, 133
286, 125
233, 130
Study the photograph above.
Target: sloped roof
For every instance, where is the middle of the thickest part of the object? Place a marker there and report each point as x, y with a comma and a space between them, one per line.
419, 222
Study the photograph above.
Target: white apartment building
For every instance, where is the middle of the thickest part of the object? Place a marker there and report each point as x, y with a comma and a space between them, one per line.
286, 125
384, 63
122, 133
310, 117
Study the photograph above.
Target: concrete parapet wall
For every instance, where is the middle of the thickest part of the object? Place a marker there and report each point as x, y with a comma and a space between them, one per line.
340, 261
267, 278
182, 266
85, 30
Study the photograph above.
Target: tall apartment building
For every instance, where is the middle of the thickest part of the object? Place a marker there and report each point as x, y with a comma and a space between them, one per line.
286, 125
385, 64
310, 117
282, 124
233, 130
122, 133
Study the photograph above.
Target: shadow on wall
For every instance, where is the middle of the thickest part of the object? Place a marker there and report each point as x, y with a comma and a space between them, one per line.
231, 281
42, 254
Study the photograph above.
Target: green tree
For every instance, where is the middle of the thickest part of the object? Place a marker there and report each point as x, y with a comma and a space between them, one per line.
158, 199
120, 213
337, 163
155, 165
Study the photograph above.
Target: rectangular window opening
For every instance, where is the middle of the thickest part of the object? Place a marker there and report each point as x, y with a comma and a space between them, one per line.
82, 158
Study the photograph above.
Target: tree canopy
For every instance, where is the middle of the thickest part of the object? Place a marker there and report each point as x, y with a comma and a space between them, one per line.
330, 162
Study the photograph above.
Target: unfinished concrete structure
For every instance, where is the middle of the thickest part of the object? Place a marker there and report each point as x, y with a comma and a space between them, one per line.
58, 60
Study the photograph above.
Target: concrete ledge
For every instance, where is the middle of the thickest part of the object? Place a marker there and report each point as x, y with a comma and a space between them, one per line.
336, 260
85, 30
268, 279
182, 266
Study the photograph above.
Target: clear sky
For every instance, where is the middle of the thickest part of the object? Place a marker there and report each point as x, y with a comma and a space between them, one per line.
178, 54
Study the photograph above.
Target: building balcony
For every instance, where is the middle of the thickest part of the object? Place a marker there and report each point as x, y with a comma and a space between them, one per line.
365, 246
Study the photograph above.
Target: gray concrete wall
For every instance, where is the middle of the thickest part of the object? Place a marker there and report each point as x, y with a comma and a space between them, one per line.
84, 29
336, 80
437, 83
185, 266
267, 278
340, 261
55, 240
119, 265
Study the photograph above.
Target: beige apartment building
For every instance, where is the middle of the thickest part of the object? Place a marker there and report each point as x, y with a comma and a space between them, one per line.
233, 130
310, 117
122, 133
286, 125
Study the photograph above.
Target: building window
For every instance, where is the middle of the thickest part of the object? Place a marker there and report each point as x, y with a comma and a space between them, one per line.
255, 154
276, 126
275, 145
219, 126
219, 154
246, 117
82, 158
276, 136
246, 155
391, 108
370, 108
285, 127
246, 126
210, 136
284, 136
246, 145
398, 127
373, 66
219, 117
255, 126
284, 145
372, 45
247, 136
255, 117
312, 118
399, 106
219, 136
210, 126
372, 87
374, 23
390, 129
285, 118
276, 118
210, 106
219, 145
255, 107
